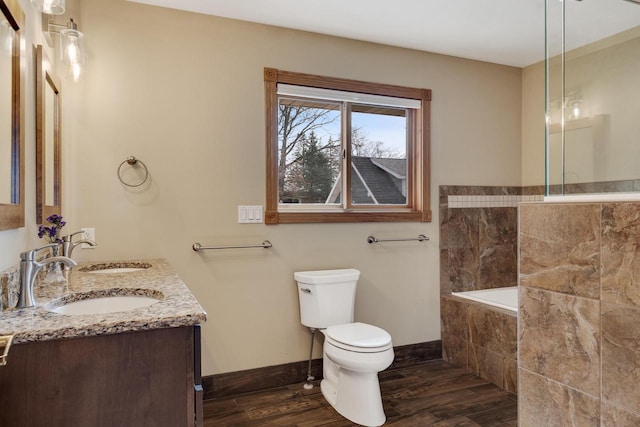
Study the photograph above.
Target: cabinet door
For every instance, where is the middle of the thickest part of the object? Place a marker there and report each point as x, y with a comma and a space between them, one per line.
138, 378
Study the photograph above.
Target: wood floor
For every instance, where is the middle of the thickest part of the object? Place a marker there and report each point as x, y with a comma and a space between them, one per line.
430, 394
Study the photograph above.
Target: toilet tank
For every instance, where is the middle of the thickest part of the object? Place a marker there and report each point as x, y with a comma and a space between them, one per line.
327, 297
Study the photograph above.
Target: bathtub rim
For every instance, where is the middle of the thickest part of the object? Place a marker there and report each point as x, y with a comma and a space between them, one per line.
470, 296
593, 197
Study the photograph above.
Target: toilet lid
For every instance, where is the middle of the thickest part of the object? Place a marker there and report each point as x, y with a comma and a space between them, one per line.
359, 335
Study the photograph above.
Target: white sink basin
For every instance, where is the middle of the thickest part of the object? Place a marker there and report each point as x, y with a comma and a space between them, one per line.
115, 267
102, 305
116, 270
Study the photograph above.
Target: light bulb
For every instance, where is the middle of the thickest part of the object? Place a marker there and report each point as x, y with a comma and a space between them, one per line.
76, 70
71, 47
576, 109
72, 50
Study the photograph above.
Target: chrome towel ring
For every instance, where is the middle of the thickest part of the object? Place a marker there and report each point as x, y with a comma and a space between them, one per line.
132, 161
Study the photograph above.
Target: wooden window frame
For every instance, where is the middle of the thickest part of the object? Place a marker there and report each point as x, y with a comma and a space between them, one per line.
418, 153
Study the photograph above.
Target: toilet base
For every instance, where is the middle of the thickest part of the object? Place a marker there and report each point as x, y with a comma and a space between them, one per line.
354, 395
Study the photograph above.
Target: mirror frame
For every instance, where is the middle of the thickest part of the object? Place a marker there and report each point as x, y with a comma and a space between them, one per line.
44, 77
12, 215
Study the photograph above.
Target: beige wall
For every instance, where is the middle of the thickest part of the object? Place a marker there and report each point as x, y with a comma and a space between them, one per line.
184, 93
533, 127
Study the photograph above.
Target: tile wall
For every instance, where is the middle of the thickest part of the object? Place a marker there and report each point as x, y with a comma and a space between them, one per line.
480, 339
478, 237
579, 329
478, 250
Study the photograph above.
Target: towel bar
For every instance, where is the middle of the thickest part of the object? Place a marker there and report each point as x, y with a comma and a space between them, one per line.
198, 247
420, 238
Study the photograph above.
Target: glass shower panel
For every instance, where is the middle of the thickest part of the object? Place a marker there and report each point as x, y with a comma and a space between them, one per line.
554, 81
592, 94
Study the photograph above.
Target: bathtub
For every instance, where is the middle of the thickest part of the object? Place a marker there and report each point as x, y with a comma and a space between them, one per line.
506, 298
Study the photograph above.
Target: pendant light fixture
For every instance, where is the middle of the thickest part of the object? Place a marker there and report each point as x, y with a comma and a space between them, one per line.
72, 48
50, 7
72, 52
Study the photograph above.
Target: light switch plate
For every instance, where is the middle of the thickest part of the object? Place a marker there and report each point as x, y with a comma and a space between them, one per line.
250, 214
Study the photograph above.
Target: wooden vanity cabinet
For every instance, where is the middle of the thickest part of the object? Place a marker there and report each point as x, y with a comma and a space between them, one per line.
146, 378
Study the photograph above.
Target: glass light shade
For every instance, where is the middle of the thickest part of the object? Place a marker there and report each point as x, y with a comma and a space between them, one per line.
71, 47
50, 7
74, 72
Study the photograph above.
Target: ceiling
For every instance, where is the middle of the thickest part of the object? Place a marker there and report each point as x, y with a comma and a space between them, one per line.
509, 32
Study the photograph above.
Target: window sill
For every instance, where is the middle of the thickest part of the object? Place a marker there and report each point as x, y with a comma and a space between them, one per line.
272, 217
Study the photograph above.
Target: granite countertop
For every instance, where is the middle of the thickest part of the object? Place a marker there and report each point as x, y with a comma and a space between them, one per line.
176, 307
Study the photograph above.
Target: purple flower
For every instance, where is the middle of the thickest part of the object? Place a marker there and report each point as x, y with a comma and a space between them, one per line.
52, 231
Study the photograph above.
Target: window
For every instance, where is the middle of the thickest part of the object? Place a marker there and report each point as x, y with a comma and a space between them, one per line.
345, 151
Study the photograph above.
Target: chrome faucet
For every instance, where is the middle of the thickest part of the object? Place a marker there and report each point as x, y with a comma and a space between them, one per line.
68, 245
29, 268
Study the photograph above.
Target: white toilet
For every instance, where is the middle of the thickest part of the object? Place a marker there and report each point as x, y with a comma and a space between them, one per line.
353, 353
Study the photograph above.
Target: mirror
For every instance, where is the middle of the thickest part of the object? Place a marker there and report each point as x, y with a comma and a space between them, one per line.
11, 117
48, 143
6, 46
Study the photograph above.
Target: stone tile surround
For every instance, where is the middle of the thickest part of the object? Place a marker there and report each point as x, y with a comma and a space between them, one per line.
478, 250
478, 244
579, 327
491, 201
480, 339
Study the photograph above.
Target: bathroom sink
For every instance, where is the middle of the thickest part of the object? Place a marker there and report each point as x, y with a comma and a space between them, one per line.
115, 267
102, 303
115, 270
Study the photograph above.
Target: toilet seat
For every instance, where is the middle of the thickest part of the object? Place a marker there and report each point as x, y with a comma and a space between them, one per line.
358, 337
